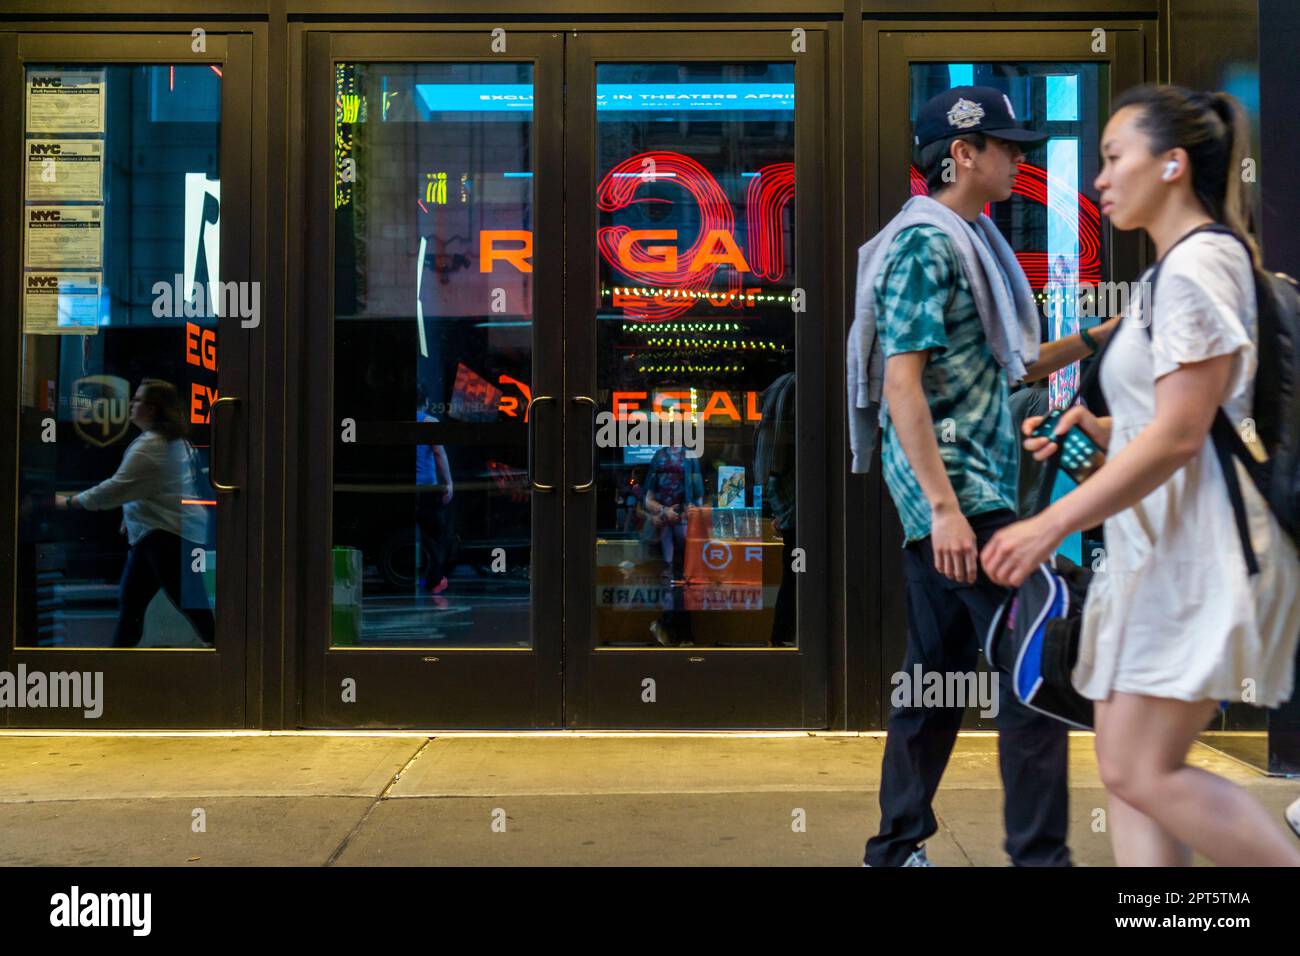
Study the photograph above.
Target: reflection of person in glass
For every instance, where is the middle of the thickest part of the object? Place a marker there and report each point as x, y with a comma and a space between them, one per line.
774, 470
673, 485
151, 485
433, 501
631, 511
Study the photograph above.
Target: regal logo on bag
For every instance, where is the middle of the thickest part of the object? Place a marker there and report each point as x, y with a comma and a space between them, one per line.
965, 114
100, 408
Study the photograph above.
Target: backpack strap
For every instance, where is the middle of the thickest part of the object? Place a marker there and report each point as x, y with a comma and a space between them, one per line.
1224, 437
1227, 443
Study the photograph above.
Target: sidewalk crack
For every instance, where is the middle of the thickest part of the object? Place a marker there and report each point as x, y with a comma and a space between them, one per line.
953, 836
382, 795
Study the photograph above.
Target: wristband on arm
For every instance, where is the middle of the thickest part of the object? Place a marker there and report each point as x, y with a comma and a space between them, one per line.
1088, 340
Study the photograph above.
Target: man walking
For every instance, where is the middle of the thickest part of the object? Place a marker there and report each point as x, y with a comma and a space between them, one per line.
945, 319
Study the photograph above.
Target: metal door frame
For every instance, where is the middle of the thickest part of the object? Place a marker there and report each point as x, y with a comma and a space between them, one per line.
469, 687
144, 688
699, 686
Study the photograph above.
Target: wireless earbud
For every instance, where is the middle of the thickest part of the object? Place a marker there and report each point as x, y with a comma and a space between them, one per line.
1171, 168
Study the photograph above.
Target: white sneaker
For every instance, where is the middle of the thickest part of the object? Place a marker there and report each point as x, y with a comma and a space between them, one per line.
1293, 816
918, 857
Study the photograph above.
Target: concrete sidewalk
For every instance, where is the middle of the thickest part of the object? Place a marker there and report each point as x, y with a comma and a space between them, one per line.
311, 800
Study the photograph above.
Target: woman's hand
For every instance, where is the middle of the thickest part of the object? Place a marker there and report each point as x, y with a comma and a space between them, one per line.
1013, 552
61, 502
1098, 429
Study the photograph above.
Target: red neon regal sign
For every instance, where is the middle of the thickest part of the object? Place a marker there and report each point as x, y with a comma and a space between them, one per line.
651, 256
1032, 182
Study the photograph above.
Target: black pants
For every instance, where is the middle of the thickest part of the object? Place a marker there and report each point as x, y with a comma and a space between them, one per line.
435, 521
946, 624
676, 619
785, 612
155, 561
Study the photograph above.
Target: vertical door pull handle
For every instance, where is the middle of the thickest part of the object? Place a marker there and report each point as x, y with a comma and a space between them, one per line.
217, 485
532, 425
591, 472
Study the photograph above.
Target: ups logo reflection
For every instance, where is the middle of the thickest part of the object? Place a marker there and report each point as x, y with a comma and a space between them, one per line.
100, 408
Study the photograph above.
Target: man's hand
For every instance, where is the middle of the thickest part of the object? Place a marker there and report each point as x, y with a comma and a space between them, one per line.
953, 541
909, 411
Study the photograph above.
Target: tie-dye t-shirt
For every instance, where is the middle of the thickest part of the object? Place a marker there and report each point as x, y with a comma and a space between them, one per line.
924, 301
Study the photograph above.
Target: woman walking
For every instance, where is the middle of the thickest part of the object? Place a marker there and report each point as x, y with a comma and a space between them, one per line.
1174, 623
154, 486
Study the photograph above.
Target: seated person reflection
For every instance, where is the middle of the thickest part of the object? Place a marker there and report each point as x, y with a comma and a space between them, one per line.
156, 476
674, 485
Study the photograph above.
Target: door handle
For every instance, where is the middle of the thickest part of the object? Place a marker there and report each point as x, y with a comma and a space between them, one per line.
532, 424
591, 481
212, 445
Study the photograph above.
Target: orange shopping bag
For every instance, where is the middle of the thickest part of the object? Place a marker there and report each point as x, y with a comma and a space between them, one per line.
716, 558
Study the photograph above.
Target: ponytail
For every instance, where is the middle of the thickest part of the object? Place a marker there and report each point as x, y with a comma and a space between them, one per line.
1238, 202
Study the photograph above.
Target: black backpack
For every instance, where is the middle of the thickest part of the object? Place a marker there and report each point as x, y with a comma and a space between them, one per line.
1275, 405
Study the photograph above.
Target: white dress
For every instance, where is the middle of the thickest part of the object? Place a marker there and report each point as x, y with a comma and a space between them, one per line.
1174, 613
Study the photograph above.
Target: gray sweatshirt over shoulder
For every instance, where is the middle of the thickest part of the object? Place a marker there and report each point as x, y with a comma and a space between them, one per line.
1002, 294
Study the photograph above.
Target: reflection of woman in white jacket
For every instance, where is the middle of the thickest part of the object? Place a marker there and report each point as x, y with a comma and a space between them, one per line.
1174, 623
151, 485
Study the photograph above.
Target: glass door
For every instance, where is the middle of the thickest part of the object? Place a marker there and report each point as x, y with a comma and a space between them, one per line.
434, 362
1061, 83
127, 265
694, 311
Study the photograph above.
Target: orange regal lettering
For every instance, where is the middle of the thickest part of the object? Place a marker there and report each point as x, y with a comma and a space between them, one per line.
519, 258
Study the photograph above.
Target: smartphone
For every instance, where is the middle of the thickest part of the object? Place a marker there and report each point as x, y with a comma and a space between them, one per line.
1080, 455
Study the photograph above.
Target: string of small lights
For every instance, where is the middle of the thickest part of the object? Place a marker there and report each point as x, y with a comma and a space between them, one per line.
689, 367
660, 328
741, 344
714, 296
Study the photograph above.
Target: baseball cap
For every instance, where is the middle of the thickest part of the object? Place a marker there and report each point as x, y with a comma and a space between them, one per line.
971, 109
